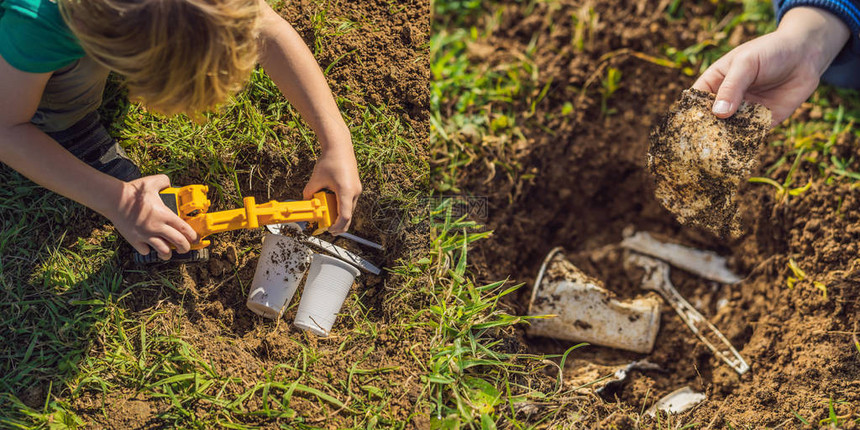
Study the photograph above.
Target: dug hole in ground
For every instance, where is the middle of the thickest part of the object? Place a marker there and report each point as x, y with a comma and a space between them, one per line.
579, 178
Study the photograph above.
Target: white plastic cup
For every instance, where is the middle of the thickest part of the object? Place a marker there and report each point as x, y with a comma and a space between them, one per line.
328, 283
583, 310
282, 264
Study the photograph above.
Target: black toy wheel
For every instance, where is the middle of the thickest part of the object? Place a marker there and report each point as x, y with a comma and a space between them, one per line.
193, 256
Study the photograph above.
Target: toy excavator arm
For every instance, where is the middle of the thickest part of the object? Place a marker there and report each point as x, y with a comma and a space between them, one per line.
191, 205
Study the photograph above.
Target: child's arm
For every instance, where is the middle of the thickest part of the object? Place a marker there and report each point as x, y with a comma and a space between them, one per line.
293, 68
134, 207
779, 70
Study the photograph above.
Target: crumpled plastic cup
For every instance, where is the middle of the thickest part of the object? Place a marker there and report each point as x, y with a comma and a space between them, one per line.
328, 283
280, 269
584, 311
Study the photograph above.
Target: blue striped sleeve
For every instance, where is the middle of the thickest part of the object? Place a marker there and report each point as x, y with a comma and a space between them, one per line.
847, 10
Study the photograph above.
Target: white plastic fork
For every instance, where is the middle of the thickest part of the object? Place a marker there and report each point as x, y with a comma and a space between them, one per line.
657, 279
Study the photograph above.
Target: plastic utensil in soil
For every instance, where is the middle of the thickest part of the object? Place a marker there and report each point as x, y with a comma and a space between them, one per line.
281, 267
657, 279
328, 283
361, 241
581, 309
333, 250
706, 264
274, 228
613, 387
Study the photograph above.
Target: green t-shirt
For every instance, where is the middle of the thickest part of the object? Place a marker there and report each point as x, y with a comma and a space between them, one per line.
34, 38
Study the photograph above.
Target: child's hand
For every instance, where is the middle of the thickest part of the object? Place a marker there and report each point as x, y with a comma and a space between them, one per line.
290, 63
337, 171
144, 221
779, 70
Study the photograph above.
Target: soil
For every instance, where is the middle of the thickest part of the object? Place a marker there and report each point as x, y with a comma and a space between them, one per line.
383, 61
699, 161
584, 179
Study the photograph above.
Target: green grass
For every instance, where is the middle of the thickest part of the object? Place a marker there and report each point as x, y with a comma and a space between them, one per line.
51, 293
475, 378
470, 101
815, 147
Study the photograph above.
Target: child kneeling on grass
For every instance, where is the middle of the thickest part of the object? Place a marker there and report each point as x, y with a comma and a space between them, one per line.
175, 56
815, 39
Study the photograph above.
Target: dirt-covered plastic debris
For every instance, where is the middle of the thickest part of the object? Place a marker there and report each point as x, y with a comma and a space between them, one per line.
706, 264
581, 309
699, 160
678, 401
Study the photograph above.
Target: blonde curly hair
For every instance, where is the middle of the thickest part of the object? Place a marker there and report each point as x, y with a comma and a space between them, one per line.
175, 55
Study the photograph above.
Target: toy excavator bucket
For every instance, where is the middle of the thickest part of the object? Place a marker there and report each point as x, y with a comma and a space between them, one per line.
193, 200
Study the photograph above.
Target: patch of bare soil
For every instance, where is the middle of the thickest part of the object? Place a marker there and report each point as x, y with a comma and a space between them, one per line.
121, 409
584, 179
382, 61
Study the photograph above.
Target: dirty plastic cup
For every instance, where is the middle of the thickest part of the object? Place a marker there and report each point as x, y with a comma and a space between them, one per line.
328, 283
583, 310
282, 264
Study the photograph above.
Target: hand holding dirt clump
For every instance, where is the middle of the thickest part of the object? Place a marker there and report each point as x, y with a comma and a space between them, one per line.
699, 160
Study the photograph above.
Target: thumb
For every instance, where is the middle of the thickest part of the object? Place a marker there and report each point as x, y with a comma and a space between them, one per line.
730, 95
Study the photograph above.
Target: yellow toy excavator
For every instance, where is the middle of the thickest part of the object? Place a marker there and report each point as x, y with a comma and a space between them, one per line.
192, 205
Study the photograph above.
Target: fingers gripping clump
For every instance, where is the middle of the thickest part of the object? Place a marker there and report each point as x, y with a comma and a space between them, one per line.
699, 160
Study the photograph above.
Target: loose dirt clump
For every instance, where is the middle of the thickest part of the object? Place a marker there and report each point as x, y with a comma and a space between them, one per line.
578, 177
699, 160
